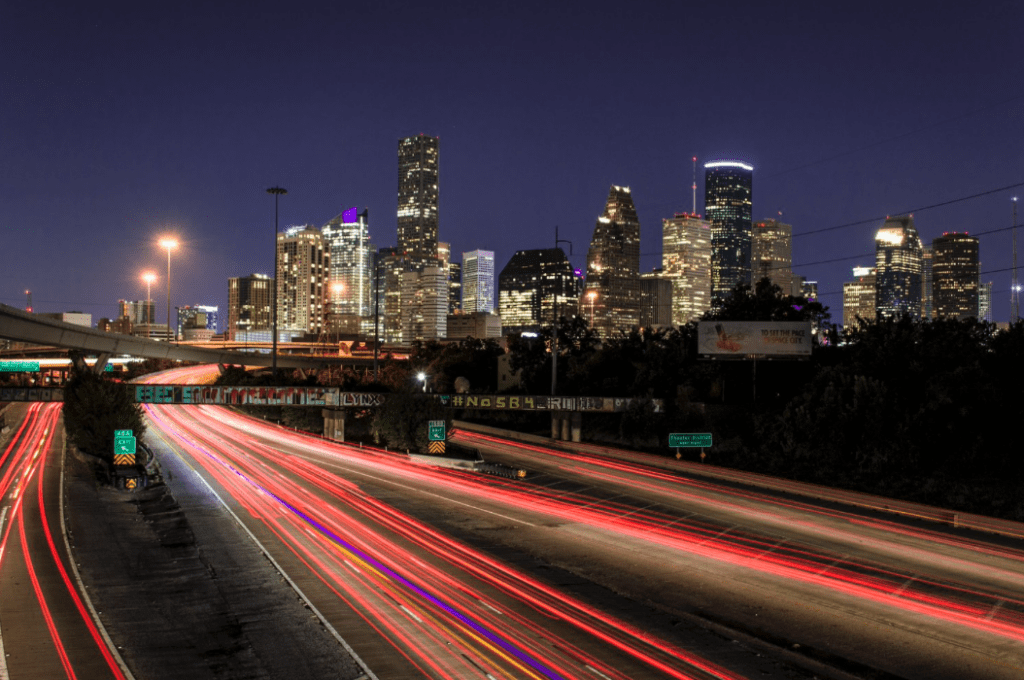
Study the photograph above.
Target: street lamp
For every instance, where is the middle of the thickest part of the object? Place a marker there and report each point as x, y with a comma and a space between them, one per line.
277, 192
149, 278
422, 377
170, 244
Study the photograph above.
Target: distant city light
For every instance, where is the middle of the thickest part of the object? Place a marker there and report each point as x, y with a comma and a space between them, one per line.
729, 164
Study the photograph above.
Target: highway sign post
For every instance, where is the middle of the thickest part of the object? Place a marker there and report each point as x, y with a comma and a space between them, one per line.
124, 447
435, 436
701, 440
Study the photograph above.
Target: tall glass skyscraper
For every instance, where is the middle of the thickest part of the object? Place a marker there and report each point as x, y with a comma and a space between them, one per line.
478, 281
898, 268
728, 190
534, 288
418, 199
686, 262
955, 272
611, 296
347, 238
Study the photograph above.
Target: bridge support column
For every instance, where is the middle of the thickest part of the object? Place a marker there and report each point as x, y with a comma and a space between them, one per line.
101, 363
556, 426
577, 425
565, 426
334, 423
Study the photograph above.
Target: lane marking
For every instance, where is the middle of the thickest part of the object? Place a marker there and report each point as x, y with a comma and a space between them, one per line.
82, 591
367, 673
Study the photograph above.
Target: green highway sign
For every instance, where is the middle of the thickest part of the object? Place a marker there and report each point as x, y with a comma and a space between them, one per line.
19, 366
435, 431
123, 433
124, 444
690, 439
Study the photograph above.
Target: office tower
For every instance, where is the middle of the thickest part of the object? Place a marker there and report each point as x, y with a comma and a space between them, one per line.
728, 190
474, 325
478, 281
985, 301
612, 287
655, 300
249, 299
424, 305
686, 262
197, 316
390, 265
347, 239
454, 287
535, 287
927, 299
303, 264
859, 297
454, 270
898, 268
418, 199
955, 271
806, 289
137, 311
772, 254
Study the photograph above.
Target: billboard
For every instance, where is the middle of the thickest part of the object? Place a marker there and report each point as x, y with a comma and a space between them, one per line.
752, 339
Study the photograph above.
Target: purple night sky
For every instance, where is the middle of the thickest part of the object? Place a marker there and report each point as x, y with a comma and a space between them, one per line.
123, 122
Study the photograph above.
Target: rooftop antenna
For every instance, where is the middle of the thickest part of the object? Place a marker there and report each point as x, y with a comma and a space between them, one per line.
1015, 284
694, 185
28, 293
554, 326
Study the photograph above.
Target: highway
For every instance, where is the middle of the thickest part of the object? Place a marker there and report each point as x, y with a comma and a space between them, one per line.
600, 567
46, 628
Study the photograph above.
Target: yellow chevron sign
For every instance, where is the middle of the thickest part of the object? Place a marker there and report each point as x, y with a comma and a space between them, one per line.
124, 459
436, 447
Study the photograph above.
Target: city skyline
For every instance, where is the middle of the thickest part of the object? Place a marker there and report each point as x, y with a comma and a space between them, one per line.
113, 142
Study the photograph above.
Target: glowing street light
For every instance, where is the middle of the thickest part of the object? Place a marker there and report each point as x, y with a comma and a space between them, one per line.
422, 377
170, 244
149, 278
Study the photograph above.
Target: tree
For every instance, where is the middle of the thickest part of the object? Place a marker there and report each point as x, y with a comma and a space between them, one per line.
93, 408
402, 421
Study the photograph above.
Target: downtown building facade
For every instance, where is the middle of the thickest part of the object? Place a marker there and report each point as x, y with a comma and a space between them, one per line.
139, 312
535, 288
477, 281
956, 270
655, 300
859, 297
351, 274
249, 307
728, 193
686, 262
772, 254
612, 285
898, 268
303, 272
418, 174
197, 322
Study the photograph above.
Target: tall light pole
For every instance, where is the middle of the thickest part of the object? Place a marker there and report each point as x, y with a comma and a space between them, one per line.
170, 244
277, 192
149, 278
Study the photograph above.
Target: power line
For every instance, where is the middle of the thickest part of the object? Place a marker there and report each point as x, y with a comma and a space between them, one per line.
913, 210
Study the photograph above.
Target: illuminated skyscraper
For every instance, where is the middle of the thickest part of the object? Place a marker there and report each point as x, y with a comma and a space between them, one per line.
686, 262
303, 263
389, 268
955, 270
985, 301
612, 286
898, 268
927, 297
655, 300
418, 199
530, 286
728, 192
424, 304
859, 297
347, 239
772, 254
249, 299
139, 312
478, 281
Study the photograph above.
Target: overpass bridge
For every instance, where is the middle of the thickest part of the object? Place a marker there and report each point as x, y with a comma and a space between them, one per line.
16, 324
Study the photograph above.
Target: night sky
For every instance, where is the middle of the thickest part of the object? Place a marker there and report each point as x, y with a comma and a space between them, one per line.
123, 122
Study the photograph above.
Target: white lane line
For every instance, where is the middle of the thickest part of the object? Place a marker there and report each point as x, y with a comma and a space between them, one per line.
295, 586
78, 577
3, 655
